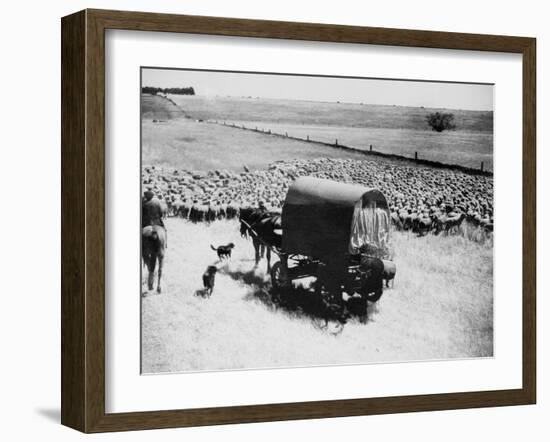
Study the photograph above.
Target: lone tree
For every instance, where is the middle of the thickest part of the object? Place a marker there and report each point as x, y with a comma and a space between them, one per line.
440, 121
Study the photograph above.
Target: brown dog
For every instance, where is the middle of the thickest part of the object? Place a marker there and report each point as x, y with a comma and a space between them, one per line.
209, 279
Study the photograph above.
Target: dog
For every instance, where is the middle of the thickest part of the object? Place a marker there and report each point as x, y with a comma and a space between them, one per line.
209, 279
223, 251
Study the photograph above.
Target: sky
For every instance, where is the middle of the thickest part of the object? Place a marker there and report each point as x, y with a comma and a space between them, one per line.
315, 88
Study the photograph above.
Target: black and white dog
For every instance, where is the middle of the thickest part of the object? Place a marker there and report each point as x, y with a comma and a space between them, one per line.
223, 251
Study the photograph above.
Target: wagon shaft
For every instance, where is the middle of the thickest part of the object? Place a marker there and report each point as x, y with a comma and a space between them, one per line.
303, 269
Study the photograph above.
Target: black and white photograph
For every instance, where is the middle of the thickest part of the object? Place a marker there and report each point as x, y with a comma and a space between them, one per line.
308, 220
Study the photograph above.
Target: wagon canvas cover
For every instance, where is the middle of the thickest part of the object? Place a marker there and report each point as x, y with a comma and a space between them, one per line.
327, 220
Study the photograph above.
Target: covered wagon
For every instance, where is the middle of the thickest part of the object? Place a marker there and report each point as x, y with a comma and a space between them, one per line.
338, 233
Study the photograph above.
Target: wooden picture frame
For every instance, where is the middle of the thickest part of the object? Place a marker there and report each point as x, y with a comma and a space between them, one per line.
83, 220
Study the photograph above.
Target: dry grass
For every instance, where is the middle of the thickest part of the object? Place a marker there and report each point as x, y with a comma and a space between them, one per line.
184, 143
187, 144
441, 307
398, 130
154, 107
325, 113
464, 148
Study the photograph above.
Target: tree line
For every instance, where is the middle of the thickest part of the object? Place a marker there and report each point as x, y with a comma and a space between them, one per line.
168, 90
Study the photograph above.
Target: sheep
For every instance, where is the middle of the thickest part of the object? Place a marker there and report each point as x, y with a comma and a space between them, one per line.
453, 222
420, 198
423, 225
175, 207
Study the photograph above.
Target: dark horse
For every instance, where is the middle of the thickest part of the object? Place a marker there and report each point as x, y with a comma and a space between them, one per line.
153, 246
261, 225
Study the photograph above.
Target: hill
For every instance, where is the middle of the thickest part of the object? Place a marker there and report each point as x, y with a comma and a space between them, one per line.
155, 107
325, 113
193, 143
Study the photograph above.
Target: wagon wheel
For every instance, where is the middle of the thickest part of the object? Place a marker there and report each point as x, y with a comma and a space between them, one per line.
331, 327
375, 296
279, 276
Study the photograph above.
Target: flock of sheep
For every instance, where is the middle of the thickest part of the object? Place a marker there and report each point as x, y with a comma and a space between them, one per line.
421, 199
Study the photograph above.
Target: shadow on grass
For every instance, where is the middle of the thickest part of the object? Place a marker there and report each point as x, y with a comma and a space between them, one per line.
301, 302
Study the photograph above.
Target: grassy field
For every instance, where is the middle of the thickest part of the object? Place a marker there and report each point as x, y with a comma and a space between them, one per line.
324, 113
467, 148
187, 144
442, 303
154, 107
441, 307
390, 129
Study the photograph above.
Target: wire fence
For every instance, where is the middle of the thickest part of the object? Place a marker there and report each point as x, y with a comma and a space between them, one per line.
370, 151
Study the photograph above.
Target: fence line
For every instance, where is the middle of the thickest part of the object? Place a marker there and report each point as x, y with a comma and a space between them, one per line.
336, 144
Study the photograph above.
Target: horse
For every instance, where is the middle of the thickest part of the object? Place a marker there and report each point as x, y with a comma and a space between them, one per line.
153, 247
266, 229
264, 224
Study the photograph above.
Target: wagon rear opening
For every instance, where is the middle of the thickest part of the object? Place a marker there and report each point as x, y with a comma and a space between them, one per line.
370, 229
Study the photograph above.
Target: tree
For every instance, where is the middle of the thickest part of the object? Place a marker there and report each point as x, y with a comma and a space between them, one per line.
440, 121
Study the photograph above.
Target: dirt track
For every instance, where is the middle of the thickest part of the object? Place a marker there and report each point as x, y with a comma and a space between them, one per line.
441, 307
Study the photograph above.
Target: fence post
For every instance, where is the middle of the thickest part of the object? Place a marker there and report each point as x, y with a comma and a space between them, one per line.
482, 166
415, 156
307, 137
336, 142
370, 148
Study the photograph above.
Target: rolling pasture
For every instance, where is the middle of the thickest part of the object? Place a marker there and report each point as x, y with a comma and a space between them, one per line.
324, 113
390, 129
441, 306
187, 144
451, 147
